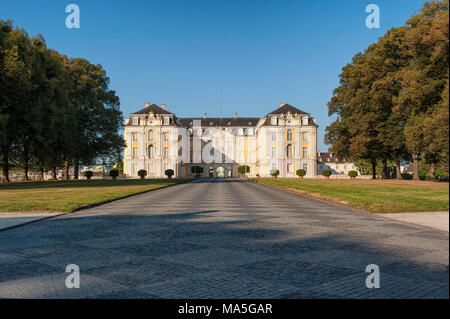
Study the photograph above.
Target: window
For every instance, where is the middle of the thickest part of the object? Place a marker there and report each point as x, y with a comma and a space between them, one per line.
273, 121
165, 137
289, 151
250, 131
274, 136
305, 167
151, 151
151, 168
150, 135
305, 137
274, 166
305, 152
274, 152
166, 152
166, 167
134, 168
166, 120
134, 152
134, 137
305, 120
135, 121
289, 168
241, 157
289, 135
240, 132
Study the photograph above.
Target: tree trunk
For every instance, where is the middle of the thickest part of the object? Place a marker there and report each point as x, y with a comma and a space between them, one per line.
384, 174
416, 166
66, 170
398, 171
54, 172
76, 169
432, 170
374, 169
41, 173
26, 162
5, 165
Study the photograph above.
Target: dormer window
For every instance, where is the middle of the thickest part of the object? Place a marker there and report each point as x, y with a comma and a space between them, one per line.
166, 121
305, 121
135, 121
273, 121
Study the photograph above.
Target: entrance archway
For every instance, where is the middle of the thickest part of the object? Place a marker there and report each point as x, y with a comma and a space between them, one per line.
220, 172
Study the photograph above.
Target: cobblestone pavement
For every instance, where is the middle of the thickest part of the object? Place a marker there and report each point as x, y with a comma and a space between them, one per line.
222, 239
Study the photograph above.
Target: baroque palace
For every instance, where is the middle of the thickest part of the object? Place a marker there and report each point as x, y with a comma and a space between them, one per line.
283, 140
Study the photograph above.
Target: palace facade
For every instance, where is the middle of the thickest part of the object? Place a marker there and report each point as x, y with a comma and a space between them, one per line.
157, 140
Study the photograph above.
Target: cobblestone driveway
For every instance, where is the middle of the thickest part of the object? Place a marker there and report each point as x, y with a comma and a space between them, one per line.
222, 239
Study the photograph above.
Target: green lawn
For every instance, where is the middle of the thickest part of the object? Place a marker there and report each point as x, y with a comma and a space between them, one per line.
375, 196
65, 196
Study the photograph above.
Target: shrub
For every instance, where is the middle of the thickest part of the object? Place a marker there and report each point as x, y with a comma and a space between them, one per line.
114, 173
353, 174
301, 172
169, 173
88, 174
244, 169
142, 173
326, 172
407, 176
423, 175
275, 173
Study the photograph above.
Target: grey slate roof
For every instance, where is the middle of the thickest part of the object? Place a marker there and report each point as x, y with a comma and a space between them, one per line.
155, 109
287, 108
223, 122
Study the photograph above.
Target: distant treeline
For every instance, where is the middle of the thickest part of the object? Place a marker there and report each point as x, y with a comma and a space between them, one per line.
392, 104
55, 111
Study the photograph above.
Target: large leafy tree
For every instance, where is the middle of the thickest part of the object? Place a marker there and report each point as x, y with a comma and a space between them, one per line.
391, 96
54, 111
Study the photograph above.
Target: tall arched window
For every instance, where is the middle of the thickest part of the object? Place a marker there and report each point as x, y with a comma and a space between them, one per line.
150, 135
289, 150
151, 151
289, 135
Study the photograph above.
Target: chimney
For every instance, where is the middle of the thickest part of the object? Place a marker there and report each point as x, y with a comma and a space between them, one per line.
147, 104
163, 106
235, 115
318, 153
204, 115
282, 104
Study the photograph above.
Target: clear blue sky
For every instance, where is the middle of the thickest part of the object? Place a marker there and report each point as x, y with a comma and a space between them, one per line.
186, 54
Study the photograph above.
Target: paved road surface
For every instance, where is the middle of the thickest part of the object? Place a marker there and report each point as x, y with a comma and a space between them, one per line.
222, 239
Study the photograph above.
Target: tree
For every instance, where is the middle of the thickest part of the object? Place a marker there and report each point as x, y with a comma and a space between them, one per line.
114, 173
352, 174
274, 173
327, 173
300, 173
244, 170
55, 111
88, 174
142, 173
169, 173
392, 95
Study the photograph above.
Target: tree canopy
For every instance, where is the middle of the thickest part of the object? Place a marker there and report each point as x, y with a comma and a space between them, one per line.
55, 111
392, 101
